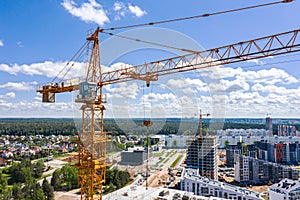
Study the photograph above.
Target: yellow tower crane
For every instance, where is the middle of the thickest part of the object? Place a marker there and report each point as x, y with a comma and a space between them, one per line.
200, 122
92, 139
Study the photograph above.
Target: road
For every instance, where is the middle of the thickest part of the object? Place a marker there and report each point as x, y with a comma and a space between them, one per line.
55, 164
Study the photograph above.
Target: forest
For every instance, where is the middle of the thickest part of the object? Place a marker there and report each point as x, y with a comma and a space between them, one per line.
68, 126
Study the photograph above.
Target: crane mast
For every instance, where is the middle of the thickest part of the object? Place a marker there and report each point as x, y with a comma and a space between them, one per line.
92, 139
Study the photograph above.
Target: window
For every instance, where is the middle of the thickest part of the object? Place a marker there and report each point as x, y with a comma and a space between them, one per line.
225, 195
204, 190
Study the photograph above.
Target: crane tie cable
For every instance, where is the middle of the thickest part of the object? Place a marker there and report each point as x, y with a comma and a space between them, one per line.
148, 42
76, 55
196, 16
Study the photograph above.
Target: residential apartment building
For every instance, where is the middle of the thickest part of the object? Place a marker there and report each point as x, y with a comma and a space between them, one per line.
250, 139
284, 153
286, 189
239, 148
192, 181
176, 141
248, 170
286, 130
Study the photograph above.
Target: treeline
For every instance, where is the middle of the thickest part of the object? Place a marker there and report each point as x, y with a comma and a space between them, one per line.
20, 127
121, 126
22, 178
115, 179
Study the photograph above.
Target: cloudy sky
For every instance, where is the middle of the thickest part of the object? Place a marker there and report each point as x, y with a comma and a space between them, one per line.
37, 39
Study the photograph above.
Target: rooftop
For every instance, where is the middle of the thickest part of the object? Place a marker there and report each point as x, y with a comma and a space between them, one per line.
287, 185
137, 191
194, 175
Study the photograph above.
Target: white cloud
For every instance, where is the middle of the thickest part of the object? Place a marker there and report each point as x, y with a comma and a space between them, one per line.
9, 95
187, 85
220, 72
1, 43
157, 97
90, 11
229, 86
137, 11
268, 76
25, 108
256, 61
123, 90
20, 86
19, 43
47, 68
119, 6
115, 66
122, 9
273, 89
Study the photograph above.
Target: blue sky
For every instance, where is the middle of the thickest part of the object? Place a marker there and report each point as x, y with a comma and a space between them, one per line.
38, 37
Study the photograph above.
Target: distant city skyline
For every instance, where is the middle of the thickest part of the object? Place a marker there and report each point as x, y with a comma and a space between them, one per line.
38, 38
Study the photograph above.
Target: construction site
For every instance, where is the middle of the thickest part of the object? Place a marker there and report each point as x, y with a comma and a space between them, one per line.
201, 150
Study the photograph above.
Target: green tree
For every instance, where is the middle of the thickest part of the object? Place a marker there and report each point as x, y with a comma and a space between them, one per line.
65, 178
226, 143
56, 180
70, 176
4, 190
129, 144
21, 175
17, 191
48, 190
110, 188
21, 172
116, 178
33, 191
38, 169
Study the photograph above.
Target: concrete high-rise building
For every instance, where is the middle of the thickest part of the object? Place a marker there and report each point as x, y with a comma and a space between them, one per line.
269, 125
202, 155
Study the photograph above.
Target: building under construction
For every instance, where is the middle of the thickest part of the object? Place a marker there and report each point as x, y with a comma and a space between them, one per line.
202, 155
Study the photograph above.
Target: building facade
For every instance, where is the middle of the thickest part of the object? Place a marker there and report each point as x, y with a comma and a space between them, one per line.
239, 148
135, 156
234, 139
248, 170
286, 130
202, 155
285, 153
192, 181
269, 125
286, 189
176, 141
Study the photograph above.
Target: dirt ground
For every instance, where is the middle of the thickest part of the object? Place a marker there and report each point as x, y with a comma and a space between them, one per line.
260, 189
